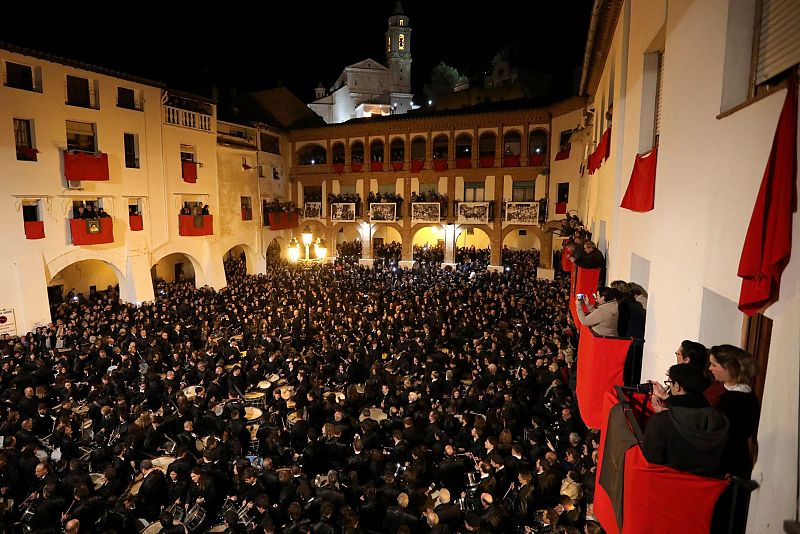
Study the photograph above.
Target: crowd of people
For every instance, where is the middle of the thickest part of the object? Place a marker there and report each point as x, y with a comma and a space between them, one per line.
333, 399
275, 206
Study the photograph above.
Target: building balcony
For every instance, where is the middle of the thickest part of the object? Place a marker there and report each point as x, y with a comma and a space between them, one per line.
187, 119
92, 231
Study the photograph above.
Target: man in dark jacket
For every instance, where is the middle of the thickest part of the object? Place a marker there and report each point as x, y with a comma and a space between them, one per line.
152, 493
685, 433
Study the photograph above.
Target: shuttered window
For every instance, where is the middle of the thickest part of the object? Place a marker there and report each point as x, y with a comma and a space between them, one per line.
778, 38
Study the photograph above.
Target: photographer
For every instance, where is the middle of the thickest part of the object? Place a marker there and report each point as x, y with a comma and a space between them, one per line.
604, 317
685, 433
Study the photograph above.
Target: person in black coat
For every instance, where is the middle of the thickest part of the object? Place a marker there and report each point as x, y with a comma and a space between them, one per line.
685, 433
152, 493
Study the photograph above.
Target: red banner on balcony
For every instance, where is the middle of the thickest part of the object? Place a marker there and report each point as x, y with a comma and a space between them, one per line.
397, 165
561, 208
535, 160
641, 192
463, 163
651, 495
440, 165
566, 260
376, 166
79, 166
195, 225
283, 220
92, 231
338, 168
34, 229
583, 281
136, 223
486, 162
601, 362
189, 171
562, 155
356, 167
511, 161
417, 165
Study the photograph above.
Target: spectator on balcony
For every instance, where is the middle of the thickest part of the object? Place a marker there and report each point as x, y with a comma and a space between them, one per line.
79, 212
588, 256
101, 214
605, 314
685, 433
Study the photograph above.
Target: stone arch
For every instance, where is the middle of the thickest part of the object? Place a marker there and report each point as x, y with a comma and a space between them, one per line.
463, 146
537, 142
487, 144
419, 146
440, 146
337, 152
512, 142
397, 150
545, 241
312, 154
199, 272
249, 255
479, 240
65, 269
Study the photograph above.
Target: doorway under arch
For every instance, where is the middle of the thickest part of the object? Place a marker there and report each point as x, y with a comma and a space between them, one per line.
84, 281
175, 267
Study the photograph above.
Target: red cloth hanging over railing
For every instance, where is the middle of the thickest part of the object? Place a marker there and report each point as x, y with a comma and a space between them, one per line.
601, 362
641, 192
338, 168
440, 165
34, 230
582, 281
561, 208
283, 220
136, 223
376, 166
566, 260
397, 165
356, 167
511, 161
535, 160
486, 162
768, 243
463, 163
653, 497
417, 165
189, 171
80, 166
92, 231
562, 155
601, 153
195, 225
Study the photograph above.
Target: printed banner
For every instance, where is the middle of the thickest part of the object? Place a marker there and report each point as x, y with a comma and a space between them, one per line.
473, 212
312, 210
425, 211
522, 212
343, 211
8, 323
383, 212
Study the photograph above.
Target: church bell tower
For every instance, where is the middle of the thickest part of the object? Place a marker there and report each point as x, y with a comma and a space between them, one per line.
398, 50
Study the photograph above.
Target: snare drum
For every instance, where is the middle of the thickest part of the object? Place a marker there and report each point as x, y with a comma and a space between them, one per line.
194, 517
155, 527
264, 385
293, 418
255, 398
287, 391
162, 462
98, 479
252, 415
191, 392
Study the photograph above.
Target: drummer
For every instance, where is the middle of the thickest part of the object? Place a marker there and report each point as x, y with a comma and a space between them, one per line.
278, 405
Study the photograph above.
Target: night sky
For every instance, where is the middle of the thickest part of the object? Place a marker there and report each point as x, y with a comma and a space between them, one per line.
251, 48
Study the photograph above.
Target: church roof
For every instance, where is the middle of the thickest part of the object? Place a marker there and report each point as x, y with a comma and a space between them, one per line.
279, 107
368, 64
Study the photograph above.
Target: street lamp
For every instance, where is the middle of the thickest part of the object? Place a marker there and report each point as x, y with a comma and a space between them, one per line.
320, 249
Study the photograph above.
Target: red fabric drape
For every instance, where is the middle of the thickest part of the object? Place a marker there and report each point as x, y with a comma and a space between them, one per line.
338, 168
562, 155
463, 163
535, 160
34, 229
641, 192
136, 223
247, 215
440, 165
417, 165
79, 166
79, 229
282, 220
601, 362
768, 243
561, 208
604, 147
486, 162
187, 226
189, 171
511, 161
566, 259
356, 167
376, 166
397, 165
583, 281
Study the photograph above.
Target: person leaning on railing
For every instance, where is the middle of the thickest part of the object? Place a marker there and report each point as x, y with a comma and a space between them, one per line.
605, 314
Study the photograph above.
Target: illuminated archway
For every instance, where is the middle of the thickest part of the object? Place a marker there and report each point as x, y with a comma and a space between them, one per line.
83, 280
176, 267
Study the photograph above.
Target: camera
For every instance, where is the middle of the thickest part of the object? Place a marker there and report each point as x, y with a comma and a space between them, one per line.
580, 296
647, 387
